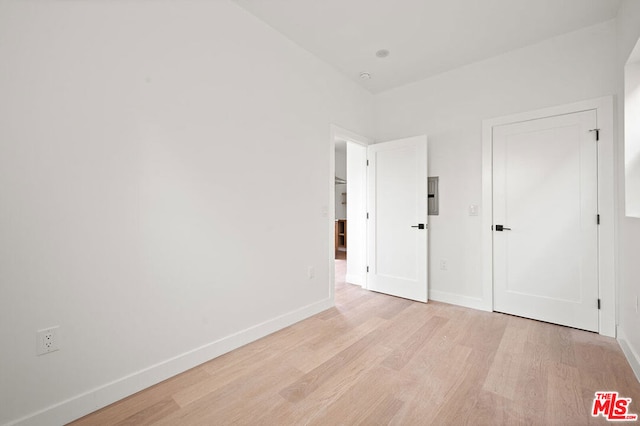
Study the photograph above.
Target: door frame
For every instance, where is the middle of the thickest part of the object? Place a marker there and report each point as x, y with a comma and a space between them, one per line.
337, 133
606, 202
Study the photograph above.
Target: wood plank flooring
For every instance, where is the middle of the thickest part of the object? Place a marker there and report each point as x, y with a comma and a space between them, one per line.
378, 360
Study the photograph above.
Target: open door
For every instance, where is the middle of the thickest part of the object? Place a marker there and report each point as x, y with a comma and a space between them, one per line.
397, 228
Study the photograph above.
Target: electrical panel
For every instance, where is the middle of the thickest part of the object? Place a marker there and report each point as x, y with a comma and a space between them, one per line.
432, 190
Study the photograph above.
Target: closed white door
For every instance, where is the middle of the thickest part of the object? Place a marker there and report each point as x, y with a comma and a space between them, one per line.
397, 224
545, 231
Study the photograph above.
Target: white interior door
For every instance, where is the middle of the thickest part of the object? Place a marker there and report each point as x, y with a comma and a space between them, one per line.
545, 195
397, 226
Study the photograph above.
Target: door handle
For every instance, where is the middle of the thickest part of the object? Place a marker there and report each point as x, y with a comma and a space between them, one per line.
502, 228
419, 226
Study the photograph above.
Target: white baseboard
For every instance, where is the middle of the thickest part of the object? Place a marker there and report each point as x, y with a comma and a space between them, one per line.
354, 279
457, 299
88, 402
630, 353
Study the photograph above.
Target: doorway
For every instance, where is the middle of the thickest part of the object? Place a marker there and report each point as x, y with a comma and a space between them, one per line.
522, 197
384, 234
348, 224
545, 209
341, 189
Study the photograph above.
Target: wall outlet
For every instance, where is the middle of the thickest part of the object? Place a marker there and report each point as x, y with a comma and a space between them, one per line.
311, 272
47, 340
443, 264
473, 210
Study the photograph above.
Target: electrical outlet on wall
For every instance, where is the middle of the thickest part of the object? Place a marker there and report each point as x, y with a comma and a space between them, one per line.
47, 340
443, 264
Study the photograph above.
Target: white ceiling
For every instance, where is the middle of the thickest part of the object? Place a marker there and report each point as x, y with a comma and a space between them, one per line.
425, 37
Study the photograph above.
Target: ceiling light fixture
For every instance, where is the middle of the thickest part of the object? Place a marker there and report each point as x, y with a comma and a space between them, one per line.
365, 75
382, 53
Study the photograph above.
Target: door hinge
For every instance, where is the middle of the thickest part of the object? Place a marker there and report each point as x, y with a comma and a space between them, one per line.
598, 303
598, 219
367, 215
367, 162
597, 133
367, 269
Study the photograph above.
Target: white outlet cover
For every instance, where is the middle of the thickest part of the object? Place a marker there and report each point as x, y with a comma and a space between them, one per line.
473, 210
47, 340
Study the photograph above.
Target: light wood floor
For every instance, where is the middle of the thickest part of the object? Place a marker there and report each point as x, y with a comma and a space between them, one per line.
376, 360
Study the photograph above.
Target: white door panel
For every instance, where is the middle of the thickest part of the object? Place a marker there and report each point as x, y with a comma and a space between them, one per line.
397, 204
545, 191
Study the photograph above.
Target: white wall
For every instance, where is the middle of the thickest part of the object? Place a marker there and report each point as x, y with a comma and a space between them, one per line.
157, 160
628, 25
450, 108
